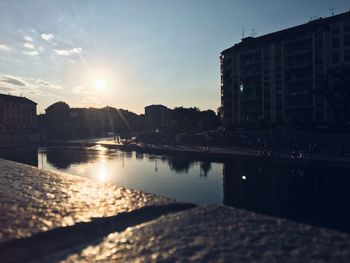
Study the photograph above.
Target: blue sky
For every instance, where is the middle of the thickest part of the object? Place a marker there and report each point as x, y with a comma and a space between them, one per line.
147, 52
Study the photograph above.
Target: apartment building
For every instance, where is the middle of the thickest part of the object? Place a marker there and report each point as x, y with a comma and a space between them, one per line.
273, 77
17, 114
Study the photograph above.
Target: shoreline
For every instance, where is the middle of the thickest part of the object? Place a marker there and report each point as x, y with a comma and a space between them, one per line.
215, 153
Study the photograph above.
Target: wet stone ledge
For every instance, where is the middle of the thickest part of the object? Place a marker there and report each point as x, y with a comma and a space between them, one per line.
34, 200
50, 217
216, 234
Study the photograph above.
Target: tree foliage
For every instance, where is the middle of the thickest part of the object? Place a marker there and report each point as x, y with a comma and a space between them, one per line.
61, 121
192, 120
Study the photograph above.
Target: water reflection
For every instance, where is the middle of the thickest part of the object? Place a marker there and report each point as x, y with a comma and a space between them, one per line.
62, 158
180, 164
102, 174
144, 171
205, 168
312, 194
23, 154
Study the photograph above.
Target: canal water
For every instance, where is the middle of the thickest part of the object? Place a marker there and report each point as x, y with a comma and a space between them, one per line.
317, 195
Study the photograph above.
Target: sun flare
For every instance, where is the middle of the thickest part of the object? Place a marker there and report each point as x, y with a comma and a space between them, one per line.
100, 84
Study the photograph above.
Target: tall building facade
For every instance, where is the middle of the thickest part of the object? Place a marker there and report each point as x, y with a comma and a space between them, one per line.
17, 114
273, 77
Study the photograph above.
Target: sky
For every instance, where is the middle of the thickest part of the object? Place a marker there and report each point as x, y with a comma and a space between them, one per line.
129, 54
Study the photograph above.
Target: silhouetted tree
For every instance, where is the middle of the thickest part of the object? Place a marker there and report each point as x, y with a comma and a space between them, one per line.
208, 120
56, 118
61, 121
192, 120
57, 107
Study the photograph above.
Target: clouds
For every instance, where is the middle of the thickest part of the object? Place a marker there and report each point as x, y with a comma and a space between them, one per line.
13, 81
6, 89
68, 52
47, 37
30, 53
29, 45
37, 90
51, 40
28, 38
5, 48
20, 85
44, 84
45, 45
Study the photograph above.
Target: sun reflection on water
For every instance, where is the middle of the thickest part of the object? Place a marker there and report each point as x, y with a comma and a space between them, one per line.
102, 172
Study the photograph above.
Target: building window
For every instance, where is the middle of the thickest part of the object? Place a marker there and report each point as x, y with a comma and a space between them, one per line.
318, 58
346, 40
346, 26
319, 45
347, 55
336, 42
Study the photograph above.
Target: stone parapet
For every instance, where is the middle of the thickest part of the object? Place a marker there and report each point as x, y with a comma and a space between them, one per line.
49, 217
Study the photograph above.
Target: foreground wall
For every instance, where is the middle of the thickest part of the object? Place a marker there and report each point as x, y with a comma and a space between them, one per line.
49, 217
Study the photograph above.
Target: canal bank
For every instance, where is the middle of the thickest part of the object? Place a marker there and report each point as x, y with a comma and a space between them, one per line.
52, 216
217, 153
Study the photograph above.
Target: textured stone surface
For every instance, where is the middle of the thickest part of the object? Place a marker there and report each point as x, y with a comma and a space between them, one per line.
219, 234
33, 200
57, 215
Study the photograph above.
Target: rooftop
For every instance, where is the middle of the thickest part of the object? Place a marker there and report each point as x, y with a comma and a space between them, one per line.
287, 32
10, 98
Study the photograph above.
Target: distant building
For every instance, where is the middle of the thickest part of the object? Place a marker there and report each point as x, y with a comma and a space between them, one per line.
17, 114
272, 77
156, 116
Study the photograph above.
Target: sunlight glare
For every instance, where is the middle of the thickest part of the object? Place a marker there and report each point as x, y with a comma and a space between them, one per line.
100, 84
102, 173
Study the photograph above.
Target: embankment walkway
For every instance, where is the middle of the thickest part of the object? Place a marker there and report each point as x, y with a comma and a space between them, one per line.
213, 152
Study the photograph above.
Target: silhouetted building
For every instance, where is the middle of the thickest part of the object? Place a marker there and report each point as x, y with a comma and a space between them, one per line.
272, 77
156, 116
17, 114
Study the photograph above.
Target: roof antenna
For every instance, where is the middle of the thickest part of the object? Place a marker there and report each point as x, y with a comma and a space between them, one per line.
242, 32
332, 10
253, 32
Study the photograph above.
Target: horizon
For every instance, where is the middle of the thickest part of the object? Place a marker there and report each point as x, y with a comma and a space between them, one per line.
142, 113
129, 55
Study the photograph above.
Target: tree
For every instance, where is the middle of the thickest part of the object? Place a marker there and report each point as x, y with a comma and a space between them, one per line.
61, 121
192, 120
59, 106
334, 87
56, 117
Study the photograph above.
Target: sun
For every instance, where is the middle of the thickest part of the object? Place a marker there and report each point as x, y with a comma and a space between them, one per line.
100, 84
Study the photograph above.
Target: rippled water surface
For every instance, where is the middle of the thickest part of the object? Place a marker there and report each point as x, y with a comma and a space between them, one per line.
317, 195
175, 177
